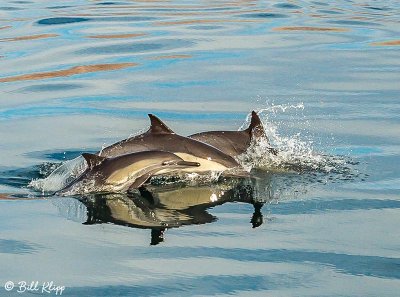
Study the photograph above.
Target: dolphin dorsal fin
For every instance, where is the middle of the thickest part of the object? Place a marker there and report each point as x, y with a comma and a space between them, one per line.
256, 127
157, 126
93, 160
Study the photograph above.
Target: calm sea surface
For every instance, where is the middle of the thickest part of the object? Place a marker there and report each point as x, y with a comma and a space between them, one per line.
325, 75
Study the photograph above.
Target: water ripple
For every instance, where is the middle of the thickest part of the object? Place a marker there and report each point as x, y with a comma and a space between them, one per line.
313, 206
208, 285
307, 28
61, 21
136, 47
383, 267
68, 72
29, 37
203, 65
287, 6
10, 8
51, 87
116, 36
265, 15
9, 246
353, 23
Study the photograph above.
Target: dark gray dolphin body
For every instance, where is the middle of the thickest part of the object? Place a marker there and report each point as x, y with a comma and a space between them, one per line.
124, 172
234, 143
160, 137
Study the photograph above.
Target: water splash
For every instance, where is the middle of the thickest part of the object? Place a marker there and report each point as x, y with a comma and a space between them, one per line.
296, 153
64, 173
59, 177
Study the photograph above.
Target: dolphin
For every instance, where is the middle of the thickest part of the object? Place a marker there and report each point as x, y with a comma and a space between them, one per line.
234, 143
122, 173
160, 137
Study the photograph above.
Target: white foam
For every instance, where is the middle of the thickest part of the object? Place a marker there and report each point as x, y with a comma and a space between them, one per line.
295, 152
60, 177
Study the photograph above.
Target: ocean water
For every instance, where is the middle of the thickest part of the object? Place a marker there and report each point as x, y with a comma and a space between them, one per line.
321, 220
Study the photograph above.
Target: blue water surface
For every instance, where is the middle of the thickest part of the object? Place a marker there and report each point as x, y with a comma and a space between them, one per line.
81, 74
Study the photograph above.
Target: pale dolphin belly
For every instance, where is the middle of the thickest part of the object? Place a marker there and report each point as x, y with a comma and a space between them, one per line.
205, 164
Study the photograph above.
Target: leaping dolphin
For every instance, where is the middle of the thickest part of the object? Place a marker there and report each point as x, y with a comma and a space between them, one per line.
232, 143
119, 174
160, 137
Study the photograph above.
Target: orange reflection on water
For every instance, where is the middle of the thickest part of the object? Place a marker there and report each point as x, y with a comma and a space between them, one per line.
386, 43
5, 27
68, 72
111, 36
181, 13
306, 28
29, 37
6, 197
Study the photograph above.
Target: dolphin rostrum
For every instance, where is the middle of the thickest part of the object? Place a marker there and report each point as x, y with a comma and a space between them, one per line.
160, 137
119, 174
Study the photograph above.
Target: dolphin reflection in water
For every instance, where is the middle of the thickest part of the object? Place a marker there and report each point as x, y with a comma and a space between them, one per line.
159, 208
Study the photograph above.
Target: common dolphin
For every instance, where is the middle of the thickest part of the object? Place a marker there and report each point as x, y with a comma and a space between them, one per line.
119, 174
232, 143
160, 137
235, 143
